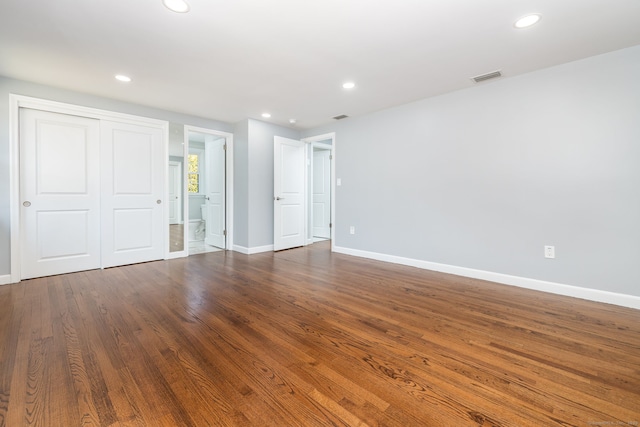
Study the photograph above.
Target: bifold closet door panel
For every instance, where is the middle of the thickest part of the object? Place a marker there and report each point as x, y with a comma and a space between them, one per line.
59, 193
132, 163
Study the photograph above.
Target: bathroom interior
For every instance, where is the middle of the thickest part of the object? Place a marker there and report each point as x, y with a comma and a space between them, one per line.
195, 172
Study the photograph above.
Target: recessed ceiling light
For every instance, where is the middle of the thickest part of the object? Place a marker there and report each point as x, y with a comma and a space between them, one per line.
266, 115
527, 21
292, 121
123, 78
348, 85
179, 6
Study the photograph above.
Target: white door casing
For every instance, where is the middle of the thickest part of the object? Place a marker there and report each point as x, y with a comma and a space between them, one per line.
289, 193
327, 142
132, 191
321, 193
59, 193
174, 204
228, 178
215, 191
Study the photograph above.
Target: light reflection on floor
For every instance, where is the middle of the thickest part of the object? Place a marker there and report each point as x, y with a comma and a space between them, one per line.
199, 247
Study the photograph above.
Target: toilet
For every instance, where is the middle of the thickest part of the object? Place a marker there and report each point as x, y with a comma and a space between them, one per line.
203, 211
200, 231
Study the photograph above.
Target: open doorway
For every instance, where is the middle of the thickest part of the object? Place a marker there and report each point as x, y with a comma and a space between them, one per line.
320, 194
207, 172
321, 189
304, 200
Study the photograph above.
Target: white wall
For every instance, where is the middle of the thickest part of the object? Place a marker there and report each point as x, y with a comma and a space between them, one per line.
241, 184
261, 179
483, 178
253, 183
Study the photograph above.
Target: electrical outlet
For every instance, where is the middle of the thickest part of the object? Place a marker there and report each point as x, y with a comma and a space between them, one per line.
352, 230
339, 182
549, 251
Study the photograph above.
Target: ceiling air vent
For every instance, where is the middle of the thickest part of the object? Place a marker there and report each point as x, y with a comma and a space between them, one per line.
340, 117
488, 76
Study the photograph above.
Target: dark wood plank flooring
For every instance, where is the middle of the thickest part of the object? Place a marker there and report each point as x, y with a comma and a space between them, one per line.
308, 338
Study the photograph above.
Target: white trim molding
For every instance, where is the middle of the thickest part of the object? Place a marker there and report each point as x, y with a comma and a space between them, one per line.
630, 301
254, 250
315, 140
5, 279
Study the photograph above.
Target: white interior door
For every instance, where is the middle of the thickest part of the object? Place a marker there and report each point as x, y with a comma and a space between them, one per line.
289, 193
133, 160
175, 193
60, 193
215, 171
321, 193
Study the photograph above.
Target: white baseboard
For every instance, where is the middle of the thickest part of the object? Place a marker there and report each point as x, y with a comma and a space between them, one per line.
5, 279
174, 255
623, 300
254, 250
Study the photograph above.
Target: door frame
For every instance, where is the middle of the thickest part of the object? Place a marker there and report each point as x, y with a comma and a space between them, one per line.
324, 147
228, 181
16, 102
310, 141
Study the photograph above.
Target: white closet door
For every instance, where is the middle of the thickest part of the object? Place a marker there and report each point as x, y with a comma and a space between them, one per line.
132, 160
60, 193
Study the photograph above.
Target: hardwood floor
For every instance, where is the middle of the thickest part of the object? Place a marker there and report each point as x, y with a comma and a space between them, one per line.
308, 338
176, 237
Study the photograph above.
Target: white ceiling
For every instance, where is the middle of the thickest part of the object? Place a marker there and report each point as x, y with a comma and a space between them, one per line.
233, 59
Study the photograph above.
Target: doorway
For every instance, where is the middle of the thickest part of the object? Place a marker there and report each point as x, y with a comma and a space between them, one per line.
321, 202
304, 191
208, 193
320, 220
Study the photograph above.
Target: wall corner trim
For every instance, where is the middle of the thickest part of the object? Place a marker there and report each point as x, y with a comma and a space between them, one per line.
5, 279
630, 301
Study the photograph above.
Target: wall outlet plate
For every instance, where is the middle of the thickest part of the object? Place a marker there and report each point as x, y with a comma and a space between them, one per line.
549, 251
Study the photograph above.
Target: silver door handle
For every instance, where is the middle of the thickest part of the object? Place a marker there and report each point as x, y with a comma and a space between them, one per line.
158, 201
26, 204
279, 198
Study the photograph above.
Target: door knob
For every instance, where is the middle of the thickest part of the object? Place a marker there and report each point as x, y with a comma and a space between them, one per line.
26, 204
158, 201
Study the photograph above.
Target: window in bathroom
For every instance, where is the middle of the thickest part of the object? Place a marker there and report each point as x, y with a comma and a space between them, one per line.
194, 173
